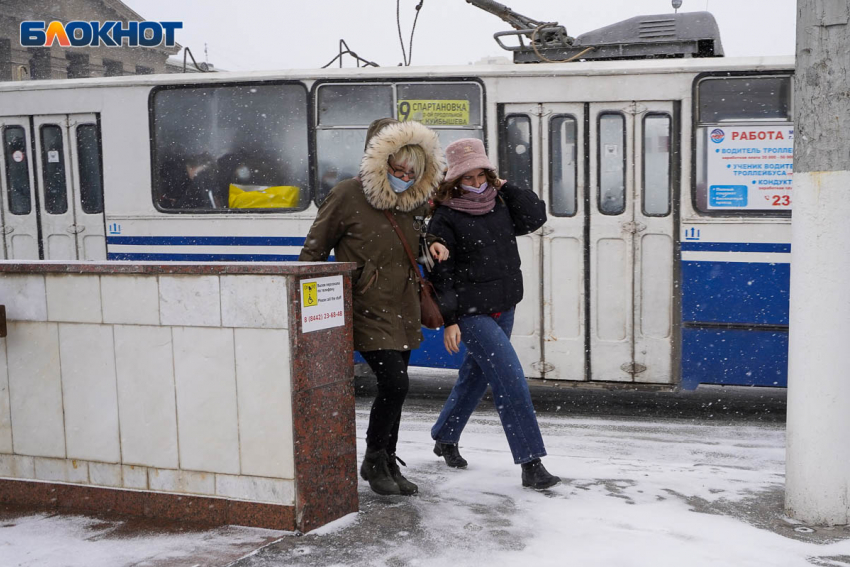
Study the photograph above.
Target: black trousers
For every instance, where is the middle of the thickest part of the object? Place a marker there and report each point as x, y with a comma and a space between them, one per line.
390, 367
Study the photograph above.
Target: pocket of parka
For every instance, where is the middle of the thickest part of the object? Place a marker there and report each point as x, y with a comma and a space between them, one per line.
367, 278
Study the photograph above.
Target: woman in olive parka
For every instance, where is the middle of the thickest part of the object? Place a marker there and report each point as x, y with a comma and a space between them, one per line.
402, 165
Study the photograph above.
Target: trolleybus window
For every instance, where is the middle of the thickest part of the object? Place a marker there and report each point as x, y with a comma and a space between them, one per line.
17, 170
516, 150
656, 165
562, 166
453, 110
744, 98
612, 164
241, 148
91, 184
744, 145
343, 113
53, 166
354, 105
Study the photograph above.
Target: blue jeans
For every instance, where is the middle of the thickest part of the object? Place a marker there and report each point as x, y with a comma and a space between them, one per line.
491, 359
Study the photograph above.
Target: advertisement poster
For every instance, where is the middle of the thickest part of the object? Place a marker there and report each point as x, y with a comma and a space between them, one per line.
750, 167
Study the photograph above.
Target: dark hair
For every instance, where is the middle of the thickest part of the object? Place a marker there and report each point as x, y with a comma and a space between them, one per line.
451, 189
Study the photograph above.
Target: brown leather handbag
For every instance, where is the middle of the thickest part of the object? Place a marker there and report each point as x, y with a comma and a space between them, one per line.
431, 316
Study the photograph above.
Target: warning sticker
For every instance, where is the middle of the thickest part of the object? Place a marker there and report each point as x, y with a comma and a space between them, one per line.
322, 305
308, 294
435, 112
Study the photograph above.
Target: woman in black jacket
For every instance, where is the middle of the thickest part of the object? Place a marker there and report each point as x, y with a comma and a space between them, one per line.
479, 216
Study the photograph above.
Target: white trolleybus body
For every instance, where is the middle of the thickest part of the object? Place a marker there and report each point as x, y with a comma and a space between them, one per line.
665, 260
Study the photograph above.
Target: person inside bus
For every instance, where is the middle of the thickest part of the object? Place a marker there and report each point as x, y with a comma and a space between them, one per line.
479, 216
190, 183
254, 168
402, 165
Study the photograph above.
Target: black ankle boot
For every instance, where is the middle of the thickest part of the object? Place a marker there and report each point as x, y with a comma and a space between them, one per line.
375, 470
450, 453
535, 475
405, 486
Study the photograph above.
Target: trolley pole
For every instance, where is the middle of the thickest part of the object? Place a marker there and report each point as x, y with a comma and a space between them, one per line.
817, 486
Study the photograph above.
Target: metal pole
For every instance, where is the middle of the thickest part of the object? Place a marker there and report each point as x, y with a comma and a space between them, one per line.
817, 489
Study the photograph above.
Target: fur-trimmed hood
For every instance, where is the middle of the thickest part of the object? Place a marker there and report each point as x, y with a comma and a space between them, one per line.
373, 168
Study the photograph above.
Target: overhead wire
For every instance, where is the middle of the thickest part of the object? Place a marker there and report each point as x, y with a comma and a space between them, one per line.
345, 50
412, 31
400, 37
407, 56
202, 67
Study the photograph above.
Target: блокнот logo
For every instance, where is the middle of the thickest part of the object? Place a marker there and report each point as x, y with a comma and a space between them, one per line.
108, 34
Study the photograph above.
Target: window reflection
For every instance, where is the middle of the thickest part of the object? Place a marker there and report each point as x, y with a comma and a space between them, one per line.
231, 148
17, 170
656, 165
612, 164
91, 184
562, 165
516, 150
53, 170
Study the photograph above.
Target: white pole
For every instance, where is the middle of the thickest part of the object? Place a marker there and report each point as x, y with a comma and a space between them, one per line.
817, 489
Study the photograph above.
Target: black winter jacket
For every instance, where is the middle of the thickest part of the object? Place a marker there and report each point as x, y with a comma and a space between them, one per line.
482, 274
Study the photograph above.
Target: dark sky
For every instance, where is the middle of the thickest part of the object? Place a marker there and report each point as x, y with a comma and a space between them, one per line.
281, 34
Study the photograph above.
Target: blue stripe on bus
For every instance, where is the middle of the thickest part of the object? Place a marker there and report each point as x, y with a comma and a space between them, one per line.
735, 292
433, 354
733, 356
145, 257
207, 240
734, 247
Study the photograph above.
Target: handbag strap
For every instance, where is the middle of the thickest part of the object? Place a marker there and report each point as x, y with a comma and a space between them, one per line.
404, 243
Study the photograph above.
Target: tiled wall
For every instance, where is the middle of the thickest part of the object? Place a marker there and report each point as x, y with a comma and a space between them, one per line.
171, 383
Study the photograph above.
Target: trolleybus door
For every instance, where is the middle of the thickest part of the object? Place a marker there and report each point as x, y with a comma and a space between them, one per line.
631, 246
611, 244
84, 137
520, 165
18, 213
69, 232
563, 273
655, 241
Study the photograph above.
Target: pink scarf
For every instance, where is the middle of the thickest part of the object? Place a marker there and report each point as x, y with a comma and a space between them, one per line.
472, 203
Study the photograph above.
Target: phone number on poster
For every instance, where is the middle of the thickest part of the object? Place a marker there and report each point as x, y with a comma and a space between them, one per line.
322, 316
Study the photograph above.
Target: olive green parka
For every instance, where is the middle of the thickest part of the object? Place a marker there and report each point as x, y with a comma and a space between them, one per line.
351, 222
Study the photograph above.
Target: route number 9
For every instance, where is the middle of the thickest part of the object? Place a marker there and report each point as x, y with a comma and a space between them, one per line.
403, 111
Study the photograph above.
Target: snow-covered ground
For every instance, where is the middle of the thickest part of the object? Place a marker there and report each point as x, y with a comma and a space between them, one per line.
635, 493
69, 540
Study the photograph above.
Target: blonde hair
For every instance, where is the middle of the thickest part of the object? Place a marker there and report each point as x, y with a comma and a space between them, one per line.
412, 156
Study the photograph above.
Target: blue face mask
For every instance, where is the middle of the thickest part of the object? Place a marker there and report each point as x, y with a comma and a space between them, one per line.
398, 185
478, 190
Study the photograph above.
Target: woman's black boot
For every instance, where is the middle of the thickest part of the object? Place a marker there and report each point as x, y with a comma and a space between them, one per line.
450, 453
535, 475
405, 486
376, 471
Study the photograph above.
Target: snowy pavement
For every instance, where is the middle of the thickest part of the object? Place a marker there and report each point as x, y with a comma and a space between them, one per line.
636, 492
69, 540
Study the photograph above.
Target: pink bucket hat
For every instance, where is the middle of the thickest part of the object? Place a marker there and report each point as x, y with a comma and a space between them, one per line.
465, 155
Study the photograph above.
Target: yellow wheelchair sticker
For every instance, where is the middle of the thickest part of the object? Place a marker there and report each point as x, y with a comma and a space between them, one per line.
309, 297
